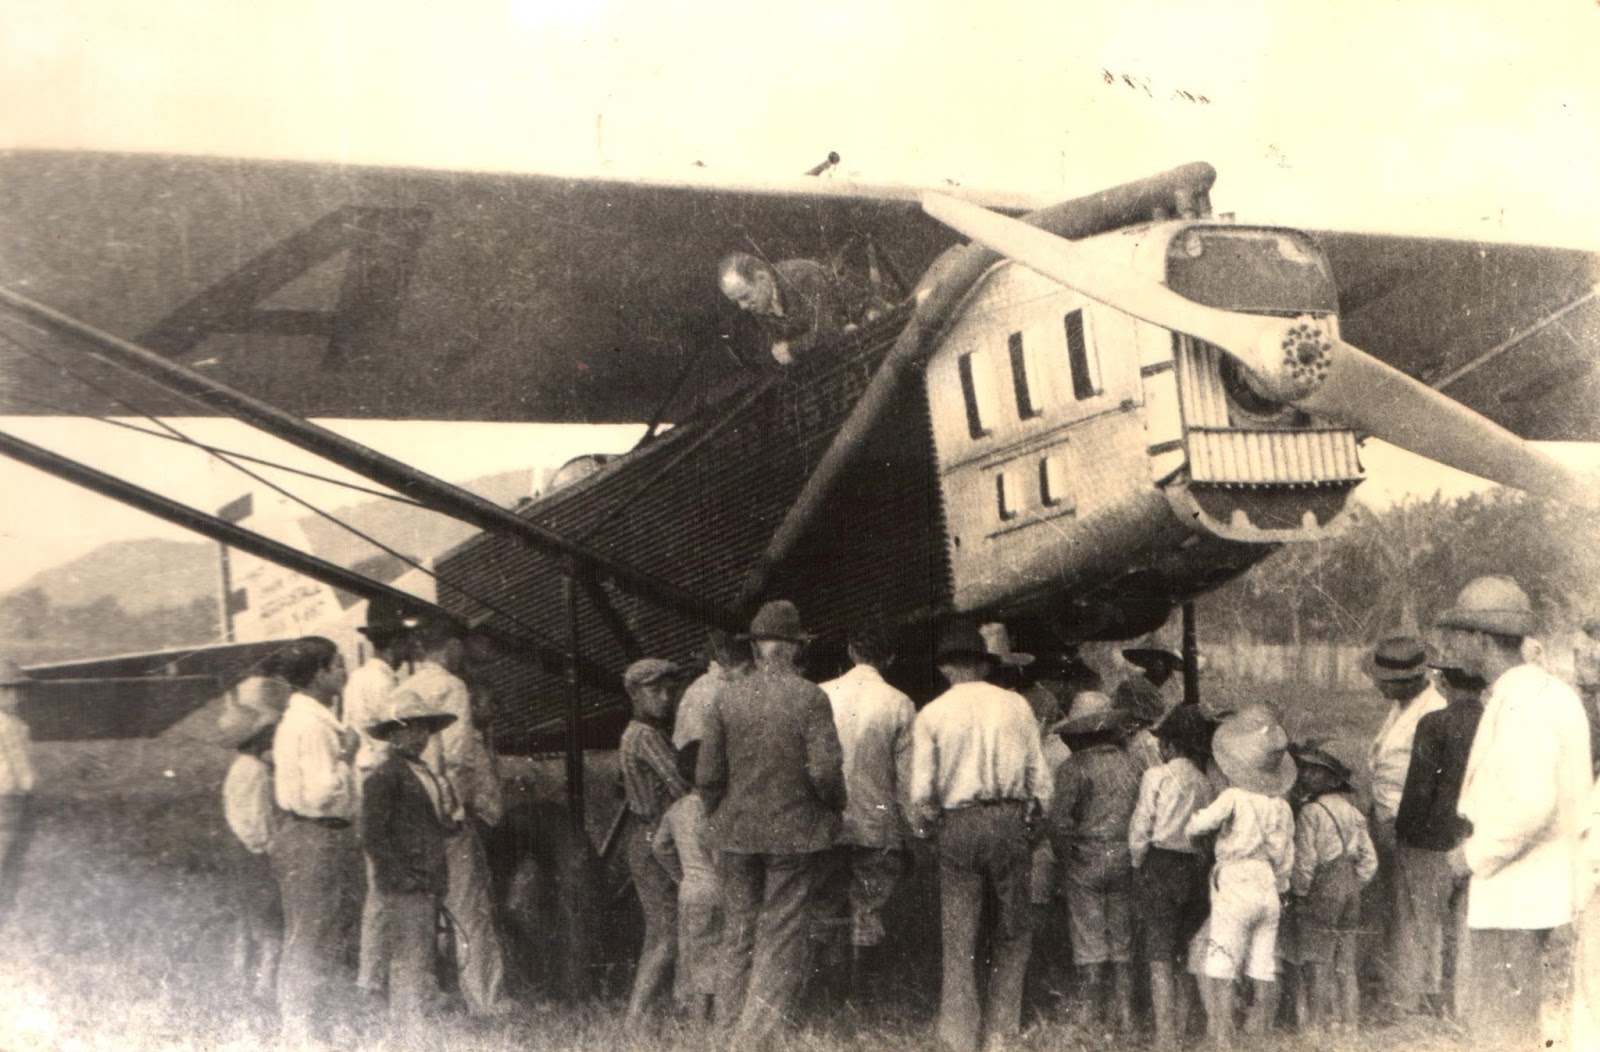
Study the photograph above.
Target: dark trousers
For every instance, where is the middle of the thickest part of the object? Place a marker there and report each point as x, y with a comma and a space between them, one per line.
320, 879
402, 943
766, 946
983, 852
658, 899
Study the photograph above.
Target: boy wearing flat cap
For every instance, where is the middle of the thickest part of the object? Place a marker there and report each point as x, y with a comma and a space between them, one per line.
405, 816
1254, 858
651, 783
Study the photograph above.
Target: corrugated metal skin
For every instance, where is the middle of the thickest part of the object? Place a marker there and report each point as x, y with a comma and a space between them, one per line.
1253, 457
698, 511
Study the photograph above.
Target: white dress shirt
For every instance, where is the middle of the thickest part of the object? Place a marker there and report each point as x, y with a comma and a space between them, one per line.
1168, 796
309, 777
365, 693
976, 742
1391, 750
874, 724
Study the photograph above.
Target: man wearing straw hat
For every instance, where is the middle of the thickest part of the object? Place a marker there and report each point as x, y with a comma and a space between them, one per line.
979, 779
1523, 794
16, 779
771, 772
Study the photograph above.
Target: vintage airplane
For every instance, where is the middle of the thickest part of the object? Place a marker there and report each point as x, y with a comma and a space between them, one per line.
1091, 413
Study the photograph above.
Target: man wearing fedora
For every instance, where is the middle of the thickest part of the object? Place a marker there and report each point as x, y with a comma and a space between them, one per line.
979, 780
1523, 795
1398, 666
771, 773
16, 780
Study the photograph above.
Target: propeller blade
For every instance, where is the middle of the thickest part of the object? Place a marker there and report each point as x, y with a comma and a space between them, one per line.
1294, 360
1372, 397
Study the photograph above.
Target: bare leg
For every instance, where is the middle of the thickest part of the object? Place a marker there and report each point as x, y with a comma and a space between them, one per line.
1122, 995
1263, 1008
1164, 1003
1217, 994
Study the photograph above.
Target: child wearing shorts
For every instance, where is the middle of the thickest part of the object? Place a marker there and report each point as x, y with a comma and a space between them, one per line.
1254, 851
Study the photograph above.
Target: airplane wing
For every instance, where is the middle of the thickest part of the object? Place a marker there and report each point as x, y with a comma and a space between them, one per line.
1511, 331
134, 695
348, 292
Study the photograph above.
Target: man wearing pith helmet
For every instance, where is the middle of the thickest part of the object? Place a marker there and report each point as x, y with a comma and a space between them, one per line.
1523, 793
771, 773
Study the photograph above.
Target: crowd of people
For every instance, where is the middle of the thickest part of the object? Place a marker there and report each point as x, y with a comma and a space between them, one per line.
1198, 861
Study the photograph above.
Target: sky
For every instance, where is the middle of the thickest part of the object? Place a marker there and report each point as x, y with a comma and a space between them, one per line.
1470, 120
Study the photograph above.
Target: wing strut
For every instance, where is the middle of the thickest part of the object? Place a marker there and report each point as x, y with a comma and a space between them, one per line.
549, 658
938, 296
435, 493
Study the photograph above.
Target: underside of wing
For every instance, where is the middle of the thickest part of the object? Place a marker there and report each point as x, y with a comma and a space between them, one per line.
347, 292
1511, 331
133, 695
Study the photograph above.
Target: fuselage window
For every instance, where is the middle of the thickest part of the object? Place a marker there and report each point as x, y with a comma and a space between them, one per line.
1053, 483
1085, 370
1005, 500
1026, 409
977, 390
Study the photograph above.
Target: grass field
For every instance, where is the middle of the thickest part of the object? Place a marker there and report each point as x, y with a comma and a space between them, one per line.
121, 934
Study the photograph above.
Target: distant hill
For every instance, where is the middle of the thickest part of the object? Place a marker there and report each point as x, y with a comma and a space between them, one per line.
143, 575
146, 575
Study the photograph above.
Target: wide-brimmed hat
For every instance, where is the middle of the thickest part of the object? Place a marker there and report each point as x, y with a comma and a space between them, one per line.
1187, 727
780, 620
256, 703
1152, 658
1314, 755
997, 640
1252, 749
646, 671
962, 639
1491, 604
11, 675
1399, 658
1091, 712
405, 707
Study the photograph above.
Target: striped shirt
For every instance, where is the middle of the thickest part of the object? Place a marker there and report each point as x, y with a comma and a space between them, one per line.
650, 777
